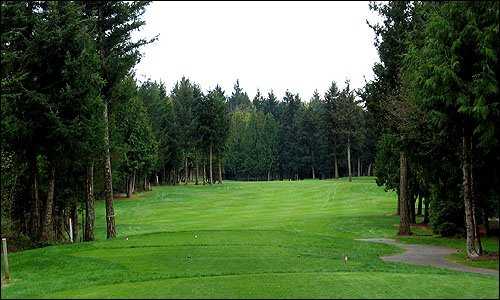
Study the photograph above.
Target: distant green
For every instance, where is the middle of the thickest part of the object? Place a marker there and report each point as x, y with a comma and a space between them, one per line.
279, 239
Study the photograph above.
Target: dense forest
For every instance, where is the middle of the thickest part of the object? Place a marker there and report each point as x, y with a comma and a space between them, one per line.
77, 126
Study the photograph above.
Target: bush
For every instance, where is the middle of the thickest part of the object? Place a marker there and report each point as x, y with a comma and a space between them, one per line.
446, 210
446, 229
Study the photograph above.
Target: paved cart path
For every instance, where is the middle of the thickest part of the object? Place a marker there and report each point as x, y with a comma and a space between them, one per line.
428, 255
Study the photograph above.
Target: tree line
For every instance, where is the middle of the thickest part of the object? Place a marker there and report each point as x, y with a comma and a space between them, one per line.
434, 111
292, 139
205, 137
67, 100
77, 126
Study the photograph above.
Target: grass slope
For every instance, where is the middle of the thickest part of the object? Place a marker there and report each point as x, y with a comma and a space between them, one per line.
243, 239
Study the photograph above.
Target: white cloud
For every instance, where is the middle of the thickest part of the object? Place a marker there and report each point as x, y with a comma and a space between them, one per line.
300, 46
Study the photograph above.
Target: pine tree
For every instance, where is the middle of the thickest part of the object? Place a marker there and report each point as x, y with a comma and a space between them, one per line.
258, 101
239, 99
135, 145
153, 96
271, 105
116, 20
310, 132
289, 159
58, 95
198, 98
390, 108
20, 104
461, 95
182, 100
213, 125
331, 122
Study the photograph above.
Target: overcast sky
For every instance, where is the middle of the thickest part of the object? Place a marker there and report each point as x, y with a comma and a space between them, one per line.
300, 46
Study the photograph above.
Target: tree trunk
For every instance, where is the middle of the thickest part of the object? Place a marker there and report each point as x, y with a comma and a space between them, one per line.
82, 216
204, 174
473, 244
186, 177
46, 234
196, 173
474, 210
89, 204
17, 218
359, 167
108, 181
369, 169
35, 205
210, 163
426, 211
404, 224
398, 209
313, 174
336, 166
129, 186
268, 175
133, 183
419, 206
145, 185
157, 181
74, 218
220, 170
58, 225
349, 158
412, 209
164, 178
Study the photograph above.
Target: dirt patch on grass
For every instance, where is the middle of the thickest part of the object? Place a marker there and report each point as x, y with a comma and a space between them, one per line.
486, 256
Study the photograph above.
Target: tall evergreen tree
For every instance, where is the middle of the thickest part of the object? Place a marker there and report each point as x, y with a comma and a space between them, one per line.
115, 22
239, 99
50, 78
390, 108
213, 125
331, 122
461, 95
289, 159
153, 95
258, 101
348, 122
271, 105
134, 142
182, 100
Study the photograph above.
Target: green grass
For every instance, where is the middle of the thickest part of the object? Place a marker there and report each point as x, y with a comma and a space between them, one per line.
244, 240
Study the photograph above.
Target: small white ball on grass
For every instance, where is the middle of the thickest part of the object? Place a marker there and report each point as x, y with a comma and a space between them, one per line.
195, 236
126, 238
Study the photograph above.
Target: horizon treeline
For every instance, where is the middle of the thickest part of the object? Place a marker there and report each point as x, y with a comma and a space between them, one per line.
261, 139
291, 139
